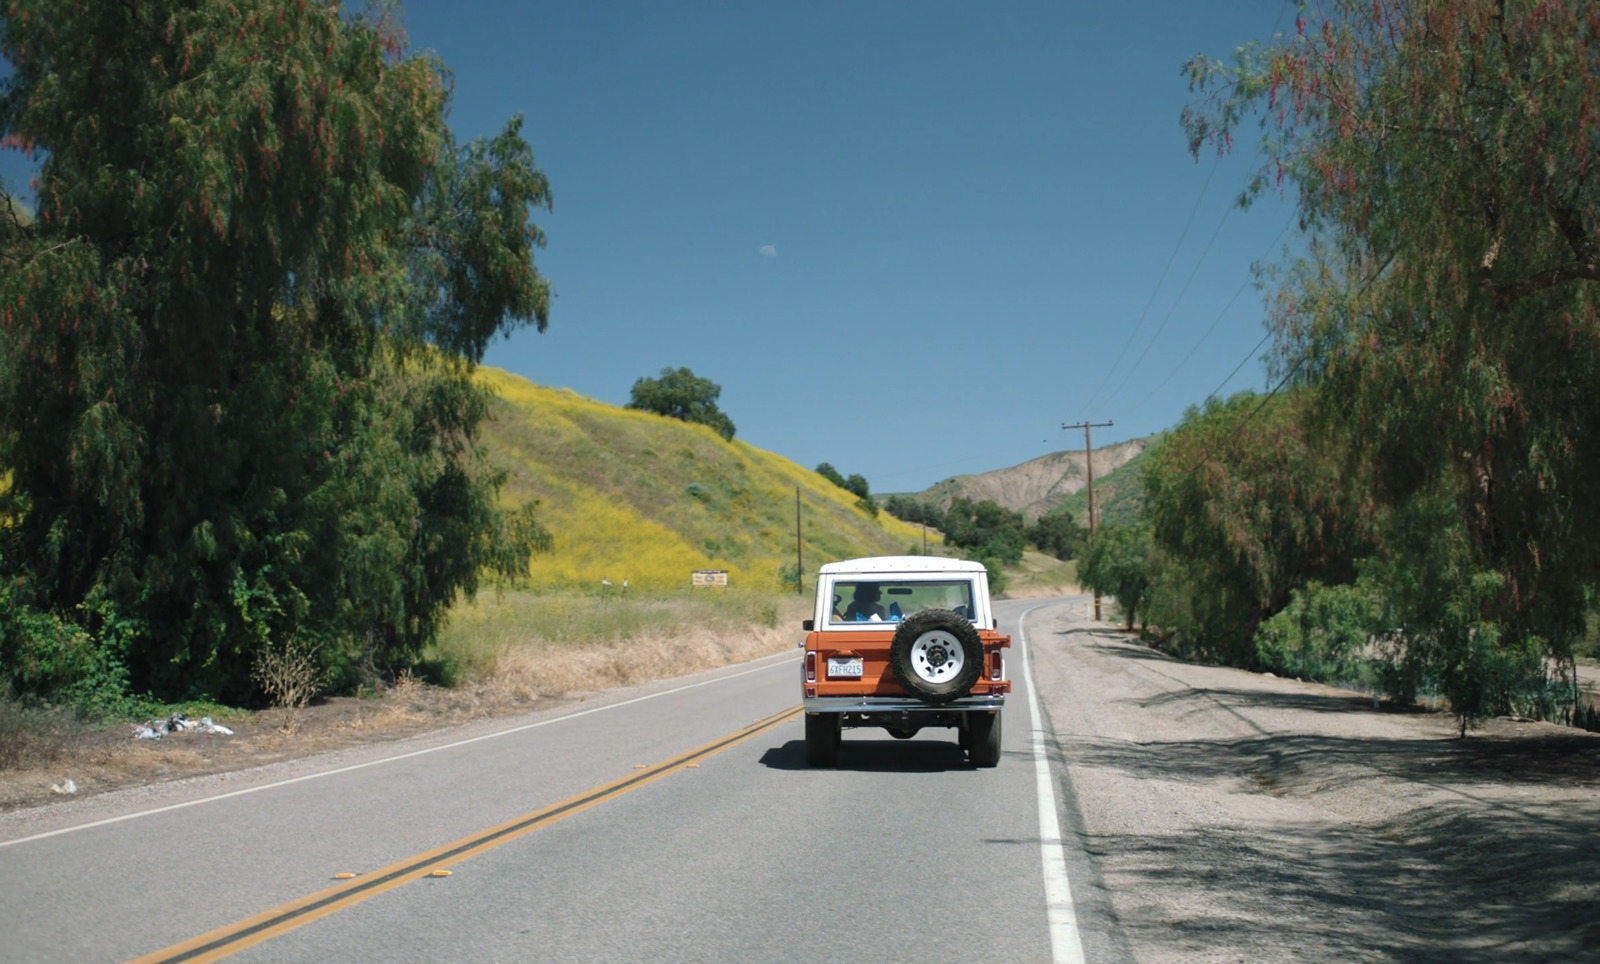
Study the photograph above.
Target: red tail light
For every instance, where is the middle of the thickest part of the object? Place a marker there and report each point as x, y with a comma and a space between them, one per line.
811, 667
997, 664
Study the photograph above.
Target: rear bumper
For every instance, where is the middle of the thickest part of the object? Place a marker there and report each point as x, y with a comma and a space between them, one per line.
897, 705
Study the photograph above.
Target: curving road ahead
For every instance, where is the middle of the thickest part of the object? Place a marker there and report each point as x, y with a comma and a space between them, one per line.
676, 822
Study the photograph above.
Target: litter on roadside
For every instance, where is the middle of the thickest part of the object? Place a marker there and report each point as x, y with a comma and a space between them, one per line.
66, 786
177, 723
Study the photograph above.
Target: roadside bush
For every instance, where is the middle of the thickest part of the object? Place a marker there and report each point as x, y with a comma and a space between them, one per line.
1325, 634
1587, 645
41, 653
291, 675
1368, 635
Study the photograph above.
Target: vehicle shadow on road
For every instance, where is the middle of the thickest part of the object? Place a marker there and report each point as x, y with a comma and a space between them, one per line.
876, 756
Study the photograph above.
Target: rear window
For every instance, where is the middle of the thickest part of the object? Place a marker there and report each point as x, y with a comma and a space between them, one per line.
889, 601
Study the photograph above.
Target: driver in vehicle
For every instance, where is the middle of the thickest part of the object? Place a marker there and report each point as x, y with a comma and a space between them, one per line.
864, 604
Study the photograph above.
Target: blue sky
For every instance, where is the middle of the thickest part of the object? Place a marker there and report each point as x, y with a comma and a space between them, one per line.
907, 238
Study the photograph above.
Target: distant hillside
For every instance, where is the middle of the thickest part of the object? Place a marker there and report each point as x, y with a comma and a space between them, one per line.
1039, 485
635, 496
1118, 496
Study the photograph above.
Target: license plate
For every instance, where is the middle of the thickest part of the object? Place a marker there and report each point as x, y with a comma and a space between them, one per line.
842, 666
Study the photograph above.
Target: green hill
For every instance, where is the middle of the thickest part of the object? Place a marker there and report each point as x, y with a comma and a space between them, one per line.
1119, 496
633, 496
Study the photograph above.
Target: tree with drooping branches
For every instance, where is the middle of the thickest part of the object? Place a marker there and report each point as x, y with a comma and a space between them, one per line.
1444, 154
1244, 507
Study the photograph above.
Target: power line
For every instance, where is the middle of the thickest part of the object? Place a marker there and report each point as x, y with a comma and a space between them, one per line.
1218, 390
1253, 413
1156, 336
1282, 9
1277, 21
1368, 283
1217, 321
1159, 282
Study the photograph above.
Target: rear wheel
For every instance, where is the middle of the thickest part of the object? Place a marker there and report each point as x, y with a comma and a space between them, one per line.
982, 738
823, 731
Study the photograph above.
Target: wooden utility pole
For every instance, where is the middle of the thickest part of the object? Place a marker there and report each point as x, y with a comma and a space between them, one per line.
1088, 466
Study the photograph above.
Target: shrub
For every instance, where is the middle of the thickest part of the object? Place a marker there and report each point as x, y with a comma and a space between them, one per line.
291, 675
1325, 634
45, 655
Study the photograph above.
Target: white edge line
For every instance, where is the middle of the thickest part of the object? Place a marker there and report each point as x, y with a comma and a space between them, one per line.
1066, 944
387, 759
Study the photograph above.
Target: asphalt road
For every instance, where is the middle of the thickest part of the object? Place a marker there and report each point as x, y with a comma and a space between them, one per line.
679, 834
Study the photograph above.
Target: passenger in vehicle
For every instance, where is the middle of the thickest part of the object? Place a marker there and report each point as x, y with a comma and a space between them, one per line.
864, 604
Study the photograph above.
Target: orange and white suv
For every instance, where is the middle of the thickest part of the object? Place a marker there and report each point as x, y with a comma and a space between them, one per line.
903, 642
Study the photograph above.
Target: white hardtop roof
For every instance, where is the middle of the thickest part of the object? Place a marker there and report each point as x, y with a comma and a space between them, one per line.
901, 564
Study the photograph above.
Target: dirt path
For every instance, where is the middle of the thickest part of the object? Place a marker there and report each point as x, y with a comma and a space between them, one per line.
1232, 816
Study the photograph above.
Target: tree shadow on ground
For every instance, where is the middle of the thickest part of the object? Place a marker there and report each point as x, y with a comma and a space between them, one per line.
1462, 885
1498, 858
1330, 702
1119, 635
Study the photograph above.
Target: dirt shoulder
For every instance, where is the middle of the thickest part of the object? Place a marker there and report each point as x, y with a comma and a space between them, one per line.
1237, 816
528, 680
102, 759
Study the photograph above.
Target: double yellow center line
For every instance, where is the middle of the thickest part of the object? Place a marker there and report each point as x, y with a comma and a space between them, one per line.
235, 937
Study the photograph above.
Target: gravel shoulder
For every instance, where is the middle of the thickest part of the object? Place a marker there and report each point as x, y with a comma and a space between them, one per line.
1235, 816
100, 760
532, 679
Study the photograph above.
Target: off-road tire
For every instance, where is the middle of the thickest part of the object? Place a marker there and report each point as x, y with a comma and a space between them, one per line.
823, 732
941, 633
982, 738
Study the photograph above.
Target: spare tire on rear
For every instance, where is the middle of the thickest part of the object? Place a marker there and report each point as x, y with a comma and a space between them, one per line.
936, 655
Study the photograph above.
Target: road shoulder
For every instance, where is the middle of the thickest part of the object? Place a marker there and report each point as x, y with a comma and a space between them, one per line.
1236, 816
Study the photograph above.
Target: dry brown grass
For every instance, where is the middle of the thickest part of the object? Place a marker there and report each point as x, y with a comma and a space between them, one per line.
530, 672
506, 670
1041, 575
